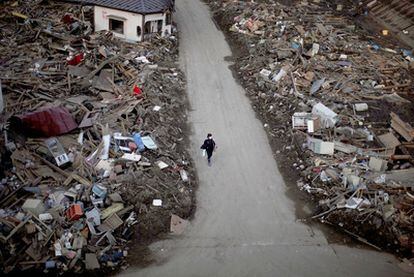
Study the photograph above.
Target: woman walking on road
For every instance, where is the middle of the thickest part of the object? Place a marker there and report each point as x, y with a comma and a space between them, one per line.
209, 145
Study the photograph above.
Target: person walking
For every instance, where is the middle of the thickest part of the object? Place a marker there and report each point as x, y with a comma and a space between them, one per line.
209, 146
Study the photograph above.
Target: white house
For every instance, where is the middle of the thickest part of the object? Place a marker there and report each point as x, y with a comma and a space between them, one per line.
133, 20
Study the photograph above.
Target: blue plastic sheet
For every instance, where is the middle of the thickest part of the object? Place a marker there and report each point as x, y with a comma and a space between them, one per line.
138, 142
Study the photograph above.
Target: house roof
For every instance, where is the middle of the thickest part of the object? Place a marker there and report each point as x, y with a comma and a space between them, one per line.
136, 6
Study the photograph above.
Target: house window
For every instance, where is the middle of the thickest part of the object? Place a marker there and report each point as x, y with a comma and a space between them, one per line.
153, 27
168, 18
139, 31
159, 26
147, 27
116, 26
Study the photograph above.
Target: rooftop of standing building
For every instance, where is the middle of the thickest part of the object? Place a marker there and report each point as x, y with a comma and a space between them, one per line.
136, 6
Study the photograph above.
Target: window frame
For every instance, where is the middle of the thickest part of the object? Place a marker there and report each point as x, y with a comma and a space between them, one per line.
168, 18
147, 28
160, 24
110, 24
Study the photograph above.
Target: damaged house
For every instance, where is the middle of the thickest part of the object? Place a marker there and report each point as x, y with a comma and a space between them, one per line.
133, 20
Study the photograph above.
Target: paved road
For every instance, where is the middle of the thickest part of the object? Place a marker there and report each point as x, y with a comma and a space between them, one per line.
244, 224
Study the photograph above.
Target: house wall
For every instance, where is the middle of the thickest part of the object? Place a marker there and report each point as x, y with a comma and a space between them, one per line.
154, 18
131, 21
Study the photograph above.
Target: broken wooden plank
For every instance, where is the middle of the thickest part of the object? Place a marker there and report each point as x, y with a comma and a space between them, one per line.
402, 127
389, 140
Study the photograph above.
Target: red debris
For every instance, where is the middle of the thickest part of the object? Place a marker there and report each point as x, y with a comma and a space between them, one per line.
132, 146
74, 212
77, 59
47, 122
317, 169
137, 90
68, 18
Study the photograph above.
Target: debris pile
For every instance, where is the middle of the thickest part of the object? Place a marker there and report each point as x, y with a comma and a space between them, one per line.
93, 149
337, 106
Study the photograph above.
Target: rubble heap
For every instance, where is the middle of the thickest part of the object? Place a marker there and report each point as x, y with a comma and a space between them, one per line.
93, 152
337, 105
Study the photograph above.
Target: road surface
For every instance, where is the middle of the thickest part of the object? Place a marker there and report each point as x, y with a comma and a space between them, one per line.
245, 224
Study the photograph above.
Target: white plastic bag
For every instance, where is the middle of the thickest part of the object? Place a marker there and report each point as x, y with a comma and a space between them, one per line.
203, 152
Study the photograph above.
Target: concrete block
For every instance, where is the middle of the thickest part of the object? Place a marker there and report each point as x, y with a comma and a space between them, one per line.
35, 206
376, 164
321, 147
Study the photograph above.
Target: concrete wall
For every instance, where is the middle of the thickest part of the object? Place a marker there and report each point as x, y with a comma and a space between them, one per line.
131, 21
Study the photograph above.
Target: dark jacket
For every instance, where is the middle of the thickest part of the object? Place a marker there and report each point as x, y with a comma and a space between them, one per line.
208, 145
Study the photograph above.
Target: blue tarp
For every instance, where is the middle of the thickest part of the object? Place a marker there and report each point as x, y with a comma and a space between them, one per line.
138, 142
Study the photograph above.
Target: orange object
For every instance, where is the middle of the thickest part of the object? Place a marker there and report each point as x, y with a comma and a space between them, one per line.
74, 212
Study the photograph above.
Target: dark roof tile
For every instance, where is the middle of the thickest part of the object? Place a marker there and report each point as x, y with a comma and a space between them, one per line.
136, 6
